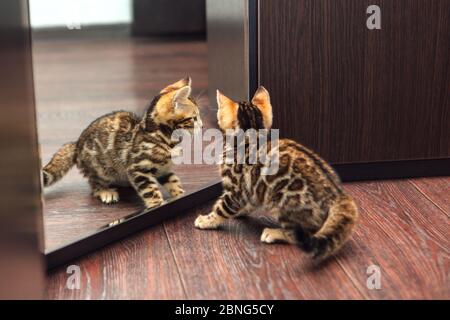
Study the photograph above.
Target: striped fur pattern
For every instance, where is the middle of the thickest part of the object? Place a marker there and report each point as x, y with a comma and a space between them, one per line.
305, 194
121, 148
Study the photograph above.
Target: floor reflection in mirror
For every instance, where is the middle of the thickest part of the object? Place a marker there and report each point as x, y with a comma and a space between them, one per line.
81, 75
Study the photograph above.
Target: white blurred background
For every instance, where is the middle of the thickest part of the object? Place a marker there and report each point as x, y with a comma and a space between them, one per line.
74, 14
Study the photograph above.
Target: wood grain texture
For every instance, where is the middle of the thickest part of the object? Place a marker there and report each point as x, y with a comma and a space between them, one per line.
437, 190
232, 263
400, 230
404, 234
141, 266
356, 94
81, 75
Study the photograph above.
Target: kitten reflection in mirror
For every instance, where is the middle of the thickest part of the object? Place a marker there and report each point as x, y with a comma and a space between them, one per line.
121, 148
304, 193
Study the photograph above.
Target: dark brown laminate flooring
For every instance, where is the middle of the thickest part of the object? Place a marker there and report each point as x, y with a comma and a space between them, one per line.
404, 229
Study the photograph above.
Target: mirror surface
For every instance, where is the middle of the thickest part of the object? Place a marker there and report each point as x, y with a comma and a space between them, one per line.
90, 60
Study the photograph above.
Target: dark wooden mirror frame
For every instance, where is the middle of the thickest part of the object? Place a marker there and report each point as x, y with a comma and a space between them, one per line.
246, 28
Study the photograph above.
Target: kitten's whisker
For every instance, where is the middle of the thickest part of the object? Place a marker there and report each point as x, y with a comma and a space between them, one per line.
200, 94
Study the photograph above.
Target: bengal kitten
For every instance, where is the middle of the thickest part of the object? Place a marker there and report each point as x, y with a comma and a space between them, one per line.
121, 148
304, 194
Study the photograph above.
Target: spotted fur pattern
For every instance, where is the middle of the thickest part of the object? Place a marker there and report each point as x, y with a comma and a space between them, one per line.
305, 194
121, 148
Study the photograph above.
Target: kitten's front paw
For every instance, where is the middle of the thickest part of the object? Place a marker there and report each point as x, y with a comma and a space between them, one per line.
107, 196
210, 221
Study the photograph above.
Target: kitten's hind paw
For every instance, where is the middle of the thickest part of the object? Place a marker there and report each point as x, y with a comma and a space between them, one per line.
107, 196
271, 235
210, 221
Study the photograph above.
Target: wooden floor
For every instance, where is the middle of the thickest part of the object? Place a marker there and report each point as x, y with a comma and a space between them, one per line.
404, 227
80, 76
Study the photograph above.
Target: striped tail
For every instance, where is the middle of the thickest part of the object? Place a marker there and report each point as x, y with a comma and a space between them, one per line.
60, 164
342, 217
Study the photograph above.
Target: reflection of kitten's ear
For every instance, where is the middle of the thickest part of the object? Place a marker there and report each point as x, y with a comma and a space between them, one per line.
177, 85
227, 112
261, 100
181, 96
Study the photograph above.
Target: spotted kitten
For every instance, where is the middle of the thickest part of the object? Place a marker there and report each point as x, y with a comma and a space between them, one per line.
305, 194
122, 149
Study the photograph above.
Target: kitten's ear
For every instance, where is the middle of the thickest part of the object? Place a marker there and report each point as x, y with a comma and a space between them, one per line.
177, 85
261, 100
227, 112
180, 96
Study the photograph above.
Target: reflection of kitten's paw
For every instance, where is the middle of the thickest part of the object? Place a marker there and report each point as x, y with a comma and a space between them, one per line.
176, 152
153, 203
175, 193
210, 221
107, 196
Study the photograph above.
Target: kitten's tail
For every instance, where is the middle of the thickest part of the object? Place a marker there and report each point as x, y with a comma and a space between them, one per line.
60, 164
342, 217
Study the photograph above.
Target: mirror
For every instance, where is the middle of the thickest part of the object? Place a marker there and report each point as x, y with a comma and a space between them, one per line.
91, 58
